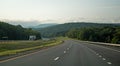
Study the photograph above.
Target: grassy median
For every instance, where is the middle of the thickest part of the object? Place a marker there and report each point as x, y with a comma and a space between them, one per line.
14, 47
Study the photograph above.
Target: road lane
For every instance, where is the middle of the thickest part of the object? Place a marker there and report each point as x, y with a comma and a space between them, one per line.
110, 54
70, 53
80, 55
44, 57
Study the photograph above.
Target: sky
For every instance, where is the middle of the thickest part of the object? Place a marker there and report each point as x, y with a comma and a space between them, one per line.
61, 11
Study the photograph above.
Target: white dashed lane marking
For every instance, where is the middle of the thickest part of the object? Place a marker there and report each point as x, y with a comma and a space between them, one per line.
64, 51
103, 58
109, 63
100, 56
56, 58
97, 54
67, 48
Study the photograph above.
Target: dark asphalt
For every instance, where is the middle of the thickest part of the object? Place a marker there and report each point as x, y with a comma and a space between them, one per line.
70, 53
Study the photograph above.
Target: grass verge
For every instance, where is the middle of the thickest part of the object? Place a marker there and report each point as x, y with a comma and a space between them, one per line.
14, 47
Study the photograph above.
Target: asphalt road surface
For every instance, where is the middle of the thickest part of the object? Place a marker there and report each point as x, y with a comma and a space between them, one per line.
70, 53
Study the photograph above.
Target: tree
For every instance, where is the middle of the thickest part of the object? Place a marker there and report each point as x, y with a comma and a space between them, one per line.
16, 32
104, 34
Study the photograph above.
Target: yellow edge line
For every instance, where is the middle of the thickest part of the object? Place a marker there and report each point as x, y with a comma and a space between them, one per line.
2, 61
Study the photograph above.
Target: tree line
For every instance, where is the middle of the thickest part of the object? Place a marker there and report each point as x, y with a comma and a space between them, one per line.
108, 34
12, 32
61, 29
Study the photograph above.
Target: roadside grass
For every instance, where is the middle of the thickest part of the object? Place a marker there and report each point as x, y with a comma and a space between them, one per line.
63, 38
14, 47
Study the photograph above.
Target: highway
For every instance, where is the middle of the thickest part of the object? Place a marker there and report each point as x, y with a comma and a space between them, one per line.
70, 53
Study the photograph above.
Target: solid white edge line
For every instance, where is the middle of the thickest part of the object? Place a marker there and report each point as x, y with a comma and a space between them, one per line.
106, 48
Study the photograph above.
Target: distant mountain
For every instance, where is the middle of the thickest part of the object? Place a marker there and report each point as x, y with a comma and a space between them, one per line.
25, 24
61, 29
31, 24
45, 25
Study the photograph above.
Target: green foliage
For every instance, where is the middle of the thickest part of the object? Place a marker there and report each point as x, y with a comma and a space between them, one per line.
116, 36
62, 29
115, 40
14, 47
11, 32
103, 34
73, 33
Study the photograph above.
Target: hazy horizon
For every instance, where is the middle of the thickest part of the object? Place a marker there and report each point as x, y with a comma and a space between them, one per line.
60, 11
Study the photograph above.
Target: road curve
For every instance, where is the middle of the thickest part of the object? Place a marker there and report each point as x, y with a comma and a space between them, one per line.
70, 53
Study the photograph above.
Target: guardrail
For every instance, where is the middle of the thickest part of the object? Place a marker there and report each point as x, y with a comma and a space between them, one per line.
100, 43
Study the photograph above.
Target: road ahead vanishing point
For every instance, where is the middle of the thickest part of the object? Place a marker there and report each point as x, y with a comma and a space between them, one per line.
70, 53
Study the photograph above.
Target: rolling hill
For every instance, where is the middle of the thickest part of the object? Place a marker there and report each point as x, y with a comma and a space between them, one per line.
12, 32
61, 29
45, 25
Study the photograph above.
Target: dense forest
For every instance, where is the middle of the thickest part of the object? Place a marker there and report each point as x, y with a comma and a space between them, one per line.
103, 34
62, 29
11, 32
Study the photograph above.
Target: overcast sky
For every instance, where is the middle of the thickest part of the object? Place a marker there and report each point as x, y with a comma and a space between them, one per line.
60, 11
